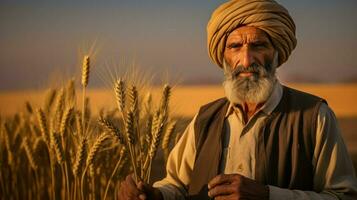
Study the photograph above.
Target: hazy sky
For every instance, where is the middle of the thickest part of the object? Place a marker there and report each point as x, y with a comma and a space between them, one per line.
38, 39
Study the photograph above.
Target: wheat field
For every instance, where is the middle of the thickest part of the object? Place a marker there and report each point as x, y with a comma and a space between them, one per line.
186, 100
45, 153
58, 146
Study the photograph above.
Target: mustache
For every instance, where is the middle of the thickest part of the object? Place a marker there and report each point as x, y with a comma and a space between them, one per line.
257, 70
254, 68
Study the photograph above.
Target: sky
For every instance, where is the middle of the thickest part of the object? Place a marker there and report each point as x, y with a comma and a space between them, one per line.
41, 39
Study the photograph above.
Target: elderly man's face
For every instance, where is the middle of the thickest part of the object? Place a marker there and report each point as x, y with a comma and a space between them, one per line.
249, 66
246, 46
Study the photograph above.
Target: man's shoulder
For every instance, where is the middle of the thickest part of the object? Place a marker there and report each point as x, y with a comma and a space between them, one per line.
298, 96
211, 110
213, 105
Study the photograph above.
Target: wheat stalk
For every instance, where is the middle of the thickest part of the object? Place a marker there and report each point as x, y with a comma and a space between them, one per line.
129, 130
117, 167
50, 97
167, 136
87, 111
148, 102
10, 157
43, 125
28, 107
56, 144
71, 91
164, 103
85, 78
78, 122
56, 121
80, 157
158, 126
29, 154
34, 131
65, 119
37, 142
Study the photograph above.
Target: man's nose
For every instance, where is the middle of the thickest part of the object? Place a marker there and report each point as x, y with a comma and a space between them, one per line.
246, 57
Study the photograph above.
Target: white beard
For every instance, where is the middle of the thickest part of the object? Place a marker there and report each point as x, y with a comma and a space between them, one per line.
253, 89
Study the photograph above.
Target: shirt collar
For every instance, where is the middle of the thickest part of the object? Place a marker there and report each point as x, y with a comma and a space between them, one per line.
269, 105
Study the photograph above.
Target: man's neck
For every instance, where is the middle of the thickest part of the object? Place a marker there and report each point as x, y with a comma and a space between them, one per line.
249, 109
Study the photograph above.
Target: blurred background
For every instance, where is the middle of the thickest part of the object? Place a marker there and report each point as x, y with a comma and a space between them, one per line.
39, 39
42, 44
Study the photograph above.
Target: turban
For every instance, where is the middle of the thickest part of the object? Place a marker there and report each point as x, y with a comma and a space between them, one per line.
266, 15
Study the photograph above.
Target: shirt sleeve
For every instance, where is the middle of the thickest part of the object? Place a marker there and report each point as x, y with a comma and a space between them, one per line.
334, 174
179, 166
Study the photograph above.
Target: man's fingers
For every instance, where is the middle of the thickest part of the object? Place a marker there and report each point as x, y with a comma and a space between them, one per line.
221, 179
225, 197
142, 197
130, 179
221, 190
130, 188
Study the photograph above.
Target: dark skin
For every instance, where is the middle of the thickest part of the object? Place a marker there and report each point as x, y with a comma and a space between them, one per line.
235, 187
129, 190
244, 46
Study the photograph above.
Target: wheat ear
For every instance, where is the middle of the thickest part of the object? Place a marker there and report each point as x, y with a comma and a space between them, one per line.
119, 89
78, 121
50, 98
133, 97
164, 103
85, 79
56, 144
71, 92
85, 70
129, 130
109, 126
43, 125
29, 154
10, 156
65, 119
158, 125
96, 146
28, 107
80, 157
167, 136
59, 110
148, 133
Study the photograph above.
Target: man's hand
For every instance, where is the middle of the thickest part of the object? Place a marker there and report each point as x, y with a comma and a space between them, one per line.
129, 190
235, 186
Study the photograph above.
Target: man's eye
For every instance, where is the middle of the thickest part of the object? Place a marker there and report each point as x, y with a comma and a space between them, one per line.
234, 45
258, 45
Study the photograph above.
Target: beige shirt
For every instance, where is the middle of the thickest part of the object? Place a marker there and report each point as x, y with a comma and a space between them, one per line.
333, 169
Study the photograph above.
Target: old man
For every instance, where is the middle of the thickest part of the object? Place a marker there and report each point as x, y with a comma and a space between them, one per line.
263, 140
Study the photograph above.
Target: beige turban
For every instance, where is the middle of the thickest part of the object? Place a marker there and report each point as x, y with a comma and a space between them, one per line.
266, 15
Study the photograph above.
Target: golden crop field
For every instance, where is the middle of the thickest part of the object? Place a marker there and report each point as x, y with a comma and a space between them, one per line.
186, 100
61, 147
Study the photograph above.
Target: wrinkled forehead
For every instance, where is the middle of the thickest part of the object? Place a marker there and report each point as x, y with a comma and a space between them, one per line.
248, 34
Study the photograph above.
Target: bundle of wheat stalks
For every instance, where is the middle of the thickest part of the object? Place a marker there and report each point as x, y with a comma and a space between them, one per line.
60, 151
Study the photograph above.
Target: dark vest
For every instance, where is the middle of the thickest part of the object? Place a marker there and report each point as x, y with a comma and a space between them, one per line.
284, 150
